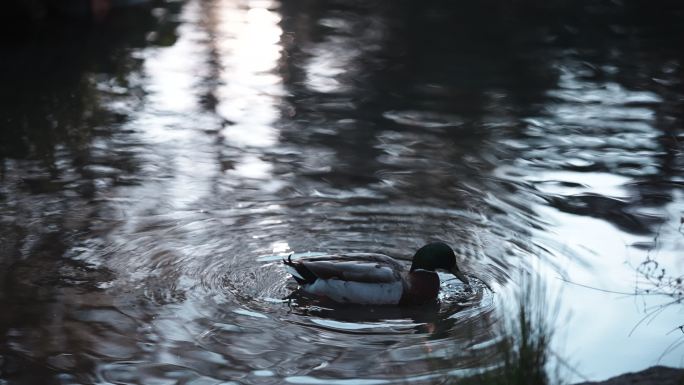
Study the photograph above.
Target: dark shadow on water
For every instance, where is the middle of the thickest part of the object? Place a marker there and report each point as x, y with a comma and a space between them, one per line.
308, 306
51, 114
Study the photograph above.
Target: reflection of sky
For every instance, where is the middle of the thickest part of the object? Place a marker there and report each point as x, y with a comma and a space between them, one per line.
611, 129
176, 125
247, 42
334, 63
172, 121
596, 124
596, 335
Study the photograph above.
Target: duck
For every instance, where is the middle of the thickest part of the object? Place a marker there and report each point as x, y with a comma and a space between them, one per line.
376, 279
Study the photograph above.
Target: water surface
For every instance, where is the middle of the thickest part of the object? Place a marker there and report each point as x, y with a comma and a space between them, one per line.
155, 168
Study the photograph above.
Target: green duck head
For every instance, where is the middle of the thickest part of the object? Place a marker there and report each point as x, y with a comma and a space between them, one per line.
437, 255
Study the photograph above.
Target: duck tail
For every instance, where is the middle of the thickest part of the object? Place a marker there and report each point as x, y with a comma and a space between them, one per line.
299, 272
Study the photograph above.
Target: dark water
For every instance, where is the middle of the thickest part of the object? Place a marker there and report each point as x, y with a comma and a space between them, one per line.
155, 167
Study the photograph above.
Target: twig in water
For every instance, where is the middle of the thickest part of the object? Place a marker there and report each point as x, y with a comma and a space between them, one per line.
674, 345
680, 328
596, 288
658, 309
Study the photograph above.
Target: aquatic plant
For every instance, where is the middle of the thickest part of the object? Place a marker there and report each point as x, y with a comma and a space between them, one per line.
524, 350
656, 280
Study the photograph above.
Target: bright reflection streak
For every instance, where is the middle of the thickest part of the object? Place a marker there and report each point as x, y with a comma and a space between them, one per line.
280, 247
247, 42
330, 61
252, 167
336, 62
171, 119
325, 68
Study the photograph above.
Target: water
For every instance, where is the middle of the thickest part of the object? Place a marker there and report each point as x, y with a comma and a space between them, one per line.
155, 167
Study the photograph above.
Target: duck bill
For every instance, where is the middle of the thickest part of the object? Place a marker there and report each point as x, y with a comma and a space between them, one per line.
460, 276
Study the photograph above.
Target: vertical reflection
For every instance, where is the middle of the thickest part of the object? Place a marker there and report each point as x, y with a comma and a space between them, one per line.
247, 42
178, 159
335, 62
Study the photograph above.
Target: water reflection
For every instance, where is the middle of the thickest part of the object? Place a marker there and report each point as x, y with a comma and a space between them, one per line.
247, 44
152, 179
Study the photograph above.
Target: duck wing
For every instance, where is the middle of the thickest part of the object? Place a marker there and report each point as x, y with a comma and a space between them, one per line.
354, 267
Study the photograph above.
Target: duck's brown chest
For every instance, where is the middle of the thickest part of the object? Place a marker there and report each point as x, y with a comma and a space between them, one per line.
421, 286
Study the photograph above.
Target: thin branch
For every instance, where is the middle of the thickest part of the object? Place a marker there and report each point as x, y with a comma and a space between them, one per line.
674, 345
657, 310
680, 328
596, 288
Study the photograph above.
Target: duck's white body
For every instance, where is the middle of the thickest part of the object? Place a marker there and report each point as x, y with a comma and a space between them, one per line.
360, 278
363, 293
363, 278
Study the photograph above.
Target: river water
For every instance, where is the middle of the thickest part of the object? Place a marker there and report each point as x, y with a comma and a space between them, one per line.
156, 166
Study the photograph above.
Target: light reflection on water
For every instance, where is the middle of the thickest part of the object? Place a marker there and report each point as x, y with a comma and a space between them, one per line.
148, 198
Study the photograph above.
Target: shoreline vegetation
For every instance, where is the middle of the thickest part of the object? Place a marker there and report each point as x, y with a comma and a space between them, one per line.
526, 354
525, 341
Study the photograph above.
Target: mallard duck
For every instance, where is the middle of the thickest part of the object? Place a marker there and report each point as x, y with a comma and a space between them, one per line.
376, 279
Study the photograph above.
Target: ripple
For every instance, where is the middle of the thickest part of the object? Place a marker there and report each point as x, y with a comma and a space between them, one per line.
425, 119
